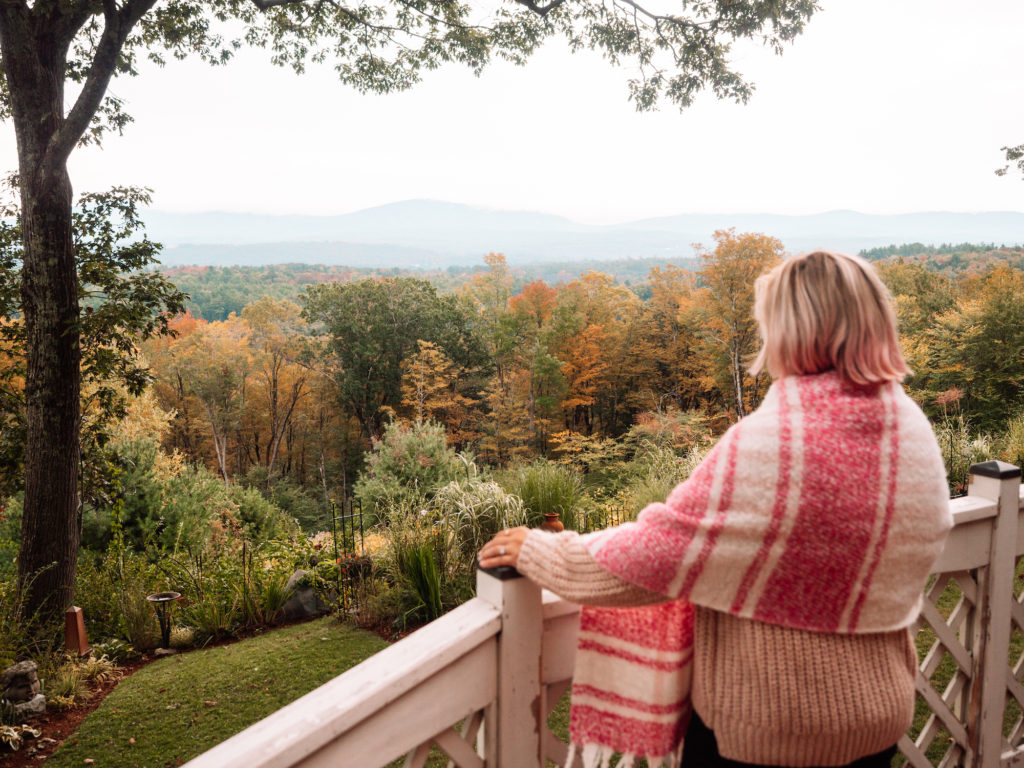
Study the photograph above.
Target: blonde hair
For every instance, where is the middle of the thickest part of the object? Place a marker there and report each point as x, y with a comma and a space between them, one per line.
822, 311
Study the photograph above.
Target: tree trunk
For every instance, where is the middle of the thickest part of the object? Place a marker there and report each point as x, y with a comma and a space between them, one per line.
737, 380
50, 531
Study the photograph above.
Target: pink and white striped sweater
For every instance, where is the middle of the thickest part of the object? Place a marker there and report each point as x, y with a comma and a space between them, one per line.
823, 511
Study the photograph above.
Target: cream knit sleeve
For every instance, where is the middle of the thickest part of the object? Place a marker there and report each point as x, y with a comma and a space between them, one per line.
559, 562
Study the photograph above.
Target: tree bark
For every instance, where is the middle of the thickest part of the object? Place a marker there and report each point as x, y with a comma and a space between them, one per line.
34, 62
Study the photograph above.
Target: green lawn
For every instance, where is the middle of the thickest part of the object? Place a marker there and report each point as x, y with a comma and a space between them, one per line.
179, 707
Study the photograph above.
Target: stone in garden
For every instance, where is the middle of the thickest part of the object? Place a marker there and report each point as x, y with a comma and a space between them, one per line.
20, 682
161, 652
304, 601
34, 706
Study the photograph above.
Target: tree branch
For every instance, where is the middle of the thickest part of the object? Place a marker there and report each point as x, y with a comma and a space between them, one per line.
541, 10
117, 24
656, 17
65, 19
266, 5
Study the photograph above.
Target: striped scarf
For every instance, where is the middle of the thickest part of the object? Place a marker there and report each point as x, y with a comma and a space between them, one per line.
821, 511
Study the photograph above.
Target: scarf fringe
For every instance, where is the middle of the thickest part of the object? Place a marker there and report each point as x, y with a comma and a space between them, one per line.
598, 756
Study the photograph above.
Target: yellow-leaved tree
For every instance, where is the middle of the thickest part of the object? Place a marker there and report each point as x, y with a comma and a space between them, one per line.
727, 276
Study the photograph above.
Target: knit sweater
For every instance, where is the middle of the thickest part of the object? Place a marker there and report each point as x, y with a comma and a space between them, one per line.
773, 695
804, 539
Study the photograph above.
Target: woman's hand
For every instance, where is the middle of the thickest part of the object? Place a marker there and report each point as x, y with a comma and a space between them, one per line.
504, 548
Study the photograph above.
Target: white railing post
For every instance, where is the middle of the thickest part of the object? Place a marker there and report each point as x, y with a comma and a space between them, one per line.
513, 727
999, 482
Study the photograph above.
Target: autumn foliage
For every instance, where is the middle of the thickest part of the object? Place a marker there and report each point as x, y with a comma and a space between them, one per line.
512, 371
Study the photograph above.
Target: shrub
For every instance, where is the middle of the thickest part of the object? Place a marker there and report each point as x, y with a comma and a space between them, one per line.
182, 637
547, 487
297, 504
66, 687
14, 735
418, 570
261, 519
138, 621
197, 511
10, 534
960, 449
404, 469
213, 617
111, 589
469, 513
97, 670
115, 649
15, 639
1011, 443
261, 599
68, 684
676, 430
652, 474
378, 603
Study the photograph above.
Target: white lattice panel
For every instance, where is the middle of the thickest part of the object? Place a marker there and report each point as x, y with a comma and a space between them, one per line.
1013, 722
946, 632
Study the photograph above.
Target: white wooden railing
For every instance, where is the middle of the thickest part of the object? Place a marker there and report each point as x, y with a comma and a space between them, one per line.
480, 682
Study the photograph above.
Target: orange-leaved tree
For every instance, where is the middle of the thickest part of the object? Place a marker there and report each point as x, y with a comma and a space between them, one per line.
727, 275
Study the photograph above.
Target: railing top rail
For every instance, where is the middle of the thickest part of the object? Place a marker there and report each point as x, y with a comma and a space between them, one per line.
967, 509
554, 606
307, 724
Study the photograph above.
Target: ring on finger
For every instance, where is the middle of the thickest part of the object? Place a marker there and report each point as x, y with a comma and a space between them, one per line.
502, 550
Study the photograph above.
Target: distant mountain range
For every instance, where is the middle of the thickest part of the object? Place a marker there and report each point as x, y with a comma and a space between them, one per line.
432, 234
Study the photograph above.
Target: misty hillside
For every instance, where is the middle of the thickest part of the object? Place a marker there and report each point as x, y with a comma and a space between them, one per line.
435, 235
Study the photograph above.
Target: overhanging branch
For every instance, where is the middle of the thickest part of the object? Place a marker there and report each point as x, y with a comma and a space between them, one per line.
266, 5
117, 23
541, 10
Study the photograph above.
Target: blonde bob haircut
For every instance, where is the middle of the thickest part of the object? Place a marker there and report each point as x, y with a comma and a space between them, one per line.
821, 311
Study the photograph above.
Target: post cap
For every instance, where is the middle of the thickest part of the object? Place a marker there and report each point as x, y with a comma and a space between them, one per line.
502, 572
1000, 470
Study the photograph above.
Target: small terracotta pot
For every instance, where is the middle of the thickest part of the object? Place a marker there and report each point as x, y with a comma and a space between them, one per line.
552, 523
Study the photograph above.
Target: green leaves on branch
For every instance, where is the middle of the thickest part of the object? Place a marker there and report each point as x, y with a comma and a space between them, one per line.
122, 303
386, 46
1014, 155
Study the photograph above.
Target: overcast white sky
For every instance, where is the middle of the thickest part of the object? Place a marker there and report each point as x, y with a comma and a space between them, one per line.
882, 106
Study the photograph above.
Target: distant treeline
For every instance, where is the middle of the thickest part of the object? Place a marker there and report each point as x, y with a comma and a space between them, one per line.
216, 292
952, 260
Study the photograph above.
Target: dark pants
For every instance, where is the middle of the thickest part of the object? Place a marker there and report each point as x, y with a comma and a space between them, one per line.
700, 750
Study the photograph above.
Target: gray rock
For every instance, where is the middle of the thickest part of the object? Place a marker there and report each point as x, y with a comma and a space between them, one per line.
34, 706
303, 601
20, 682
161, 652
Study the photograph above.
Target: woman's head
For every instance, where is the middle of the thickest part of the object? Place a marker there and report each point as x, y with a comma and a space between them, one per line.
823, 311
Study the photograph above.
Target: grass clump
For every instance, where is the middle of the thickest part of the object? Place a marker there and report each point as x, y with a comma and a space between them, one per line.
545, 488
176, 708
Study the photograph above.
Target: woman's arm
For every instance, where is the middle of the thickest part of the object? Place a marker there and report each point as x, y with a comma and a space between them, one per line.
559, 562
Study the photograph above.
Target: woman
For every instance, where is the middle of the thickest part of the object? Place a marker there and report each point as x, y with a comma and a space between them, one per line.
803, 541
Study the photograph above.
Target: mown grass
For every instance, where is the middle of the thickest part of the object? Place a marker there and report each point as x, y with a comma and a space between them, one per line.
177, 708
